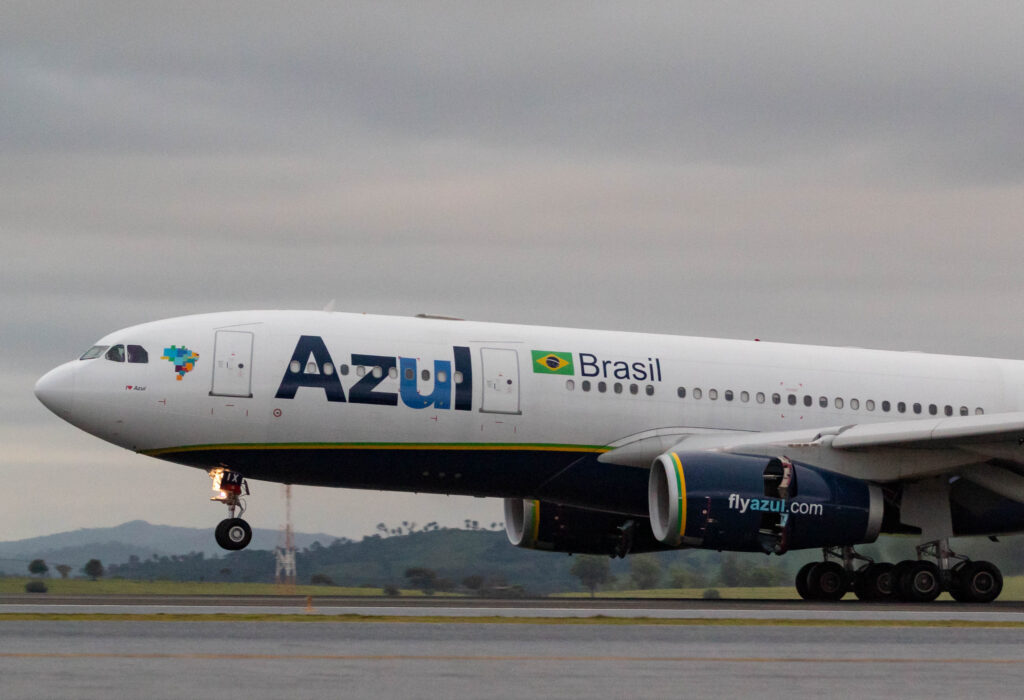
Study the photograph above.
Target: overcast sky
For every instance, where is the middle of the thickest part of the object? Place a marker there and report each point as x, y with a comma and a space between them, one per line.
834, 173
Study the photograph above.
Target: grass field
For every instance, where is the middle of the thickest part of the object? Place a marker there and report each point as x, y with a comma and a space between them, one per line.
1013, 589
122, 587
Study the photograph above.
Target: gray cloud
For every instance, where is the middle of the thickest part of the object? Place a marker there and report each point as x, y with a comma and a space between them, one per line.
821, 172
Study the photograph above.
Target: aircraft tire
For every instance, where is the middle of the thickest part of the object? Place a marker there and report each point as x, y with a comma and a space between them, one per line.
978, 582
827, 581
896, 576
233, 534
874, 582
801, 581
920, 582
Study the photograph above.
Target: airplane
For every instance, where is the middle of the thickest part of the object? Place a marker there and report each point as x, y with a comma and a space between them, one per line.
599, 442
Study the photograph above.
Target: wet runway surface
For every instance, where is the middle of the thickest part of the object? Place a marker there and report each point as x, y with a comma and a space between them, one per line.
256, 660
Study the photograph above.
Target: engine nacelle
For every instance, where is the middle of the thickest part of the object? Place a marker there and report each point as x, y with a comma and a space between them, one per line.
748, 503
556, 528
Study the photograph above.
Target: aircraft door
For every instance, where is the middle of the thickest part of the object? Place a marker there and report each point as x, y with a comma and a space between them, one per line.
501, 380
232, 364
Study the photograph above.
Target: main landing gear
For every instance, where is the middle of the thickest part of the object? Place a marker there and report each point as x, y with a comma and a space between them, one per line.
228, 486
911, 581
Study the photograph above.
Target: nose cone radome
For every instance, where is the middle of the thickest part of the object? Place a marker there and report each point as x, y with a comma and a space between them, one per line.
56, 390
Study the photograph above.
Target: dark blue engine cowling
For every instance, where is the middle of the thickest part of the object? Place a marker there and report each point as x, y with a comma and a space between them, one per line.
542, 525
758, 504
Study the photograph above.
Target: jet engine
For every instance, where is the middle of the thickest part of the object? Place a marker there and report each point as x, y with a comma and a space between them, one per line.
759, 504
557, 528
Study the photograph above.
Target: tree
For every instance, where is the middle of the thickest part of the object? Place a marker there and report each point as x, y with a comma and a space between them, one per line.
38, 567
424, 579
63, 570
591, 571
93, 569
645, 570
321, 580
473, 582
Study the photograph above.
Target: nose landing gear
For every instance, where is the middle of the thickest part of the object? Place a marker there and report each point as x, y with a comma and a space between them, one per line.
229, 487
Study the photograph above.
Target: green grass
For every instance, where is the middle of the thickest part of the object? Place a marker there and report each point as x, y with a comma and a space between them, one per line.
122, 587
1013, 590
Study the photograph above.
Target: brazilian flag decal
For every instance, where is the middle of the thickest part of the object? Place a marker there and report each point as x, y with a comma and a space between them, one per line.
548, 362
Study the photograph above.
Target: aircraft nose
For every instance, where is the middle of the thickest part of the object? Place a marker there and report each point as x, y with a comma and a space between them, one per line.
56, 389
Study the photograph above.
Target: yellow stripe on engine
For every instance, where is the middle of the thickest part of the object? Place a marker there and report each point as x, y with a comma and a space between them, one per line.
536, 520
681, 483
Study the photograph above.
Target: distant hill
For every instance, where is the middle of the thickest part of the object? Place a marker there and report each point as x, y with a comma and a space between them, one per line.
115, 545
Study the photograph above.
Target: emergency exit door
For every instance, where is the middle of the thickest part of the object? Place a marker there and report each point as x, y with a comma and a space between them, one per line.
232, 364
501, 380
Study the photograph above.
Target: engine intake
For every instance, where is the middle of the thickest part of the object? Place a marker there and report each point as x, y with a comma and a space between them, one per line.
753, 503
557, 528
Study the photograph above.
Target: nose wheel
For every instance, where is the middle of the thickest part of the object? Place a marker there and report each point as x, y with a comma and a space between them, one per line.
233, 534
229, 487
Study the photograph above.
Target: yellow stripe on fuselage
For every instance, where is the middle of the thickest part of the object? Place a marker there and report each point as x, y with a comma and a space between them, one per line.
681, 482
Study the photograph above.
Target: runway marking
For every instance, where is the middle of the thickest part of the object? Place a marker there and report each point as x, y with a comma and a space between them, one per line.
489, 657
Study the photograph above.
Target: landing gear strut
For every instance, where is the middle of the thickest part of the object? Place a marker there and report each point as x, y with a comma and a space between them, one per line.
228, 488
913, 581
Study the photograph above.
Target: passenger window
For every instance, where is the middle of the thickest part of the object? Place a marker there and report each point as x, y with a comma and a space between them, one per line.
886, 406
760, 397
870, 404
979, 411
570, 384
409, 374
933, 409
634, 389
917, 408
680, 392
854, 404
360, 371
792, 399
393, 372
137, 354
697, 393
823, 401
649, 390
378, 372
949, 410
602, 387
839, 403
93, 352
713, 394
617, 387
294, 366
901, 407
776, 399
442, 377
328, 369
964, 411
728, 394
115, 354
425, 375
344, 370
585, 385
744, 396
311, 368
457, 376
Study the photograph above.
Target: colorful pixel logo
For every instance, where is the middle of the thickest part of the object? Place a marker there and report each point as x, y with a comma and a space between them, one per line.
184, 359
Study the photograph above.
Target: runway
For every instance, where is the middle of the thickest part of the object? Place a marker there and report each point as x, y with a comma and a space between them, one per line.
655, 609
257, 660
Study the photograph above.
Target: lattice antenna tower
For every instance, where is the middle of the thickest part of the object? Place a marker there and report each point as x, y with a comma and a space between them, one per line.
284, 554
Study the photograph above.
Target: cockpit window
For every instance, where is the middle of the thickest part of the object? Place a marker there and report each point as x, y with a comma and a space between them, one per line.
93, 352
115, 354
138, 354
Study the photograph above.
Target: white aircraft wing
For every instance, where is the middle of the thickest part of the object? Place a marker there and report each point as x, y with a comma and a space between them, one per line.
986, 449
